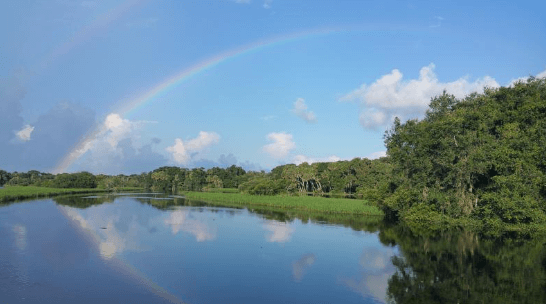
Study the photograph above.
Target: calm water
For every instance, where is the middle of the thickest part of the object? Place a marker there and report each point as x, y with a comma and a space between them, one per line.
143, 248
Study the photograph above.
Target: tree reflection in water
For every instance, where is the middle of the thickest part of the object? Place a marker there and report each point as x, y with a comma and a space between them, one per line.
461, 267
442, 267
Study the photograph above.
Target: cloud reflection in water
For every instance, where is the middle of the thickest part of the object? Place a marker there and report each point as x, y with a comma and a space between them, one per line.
179, 220
281, 232
300, 266
376, 269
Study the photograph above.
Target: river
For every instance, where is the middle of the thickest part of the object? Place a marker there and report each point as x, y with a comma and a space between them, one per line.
151, 248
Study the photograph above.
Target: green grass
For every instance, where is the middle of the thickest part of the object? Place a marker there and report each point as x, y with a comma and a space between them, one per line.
302, 203
222, 190
25, 192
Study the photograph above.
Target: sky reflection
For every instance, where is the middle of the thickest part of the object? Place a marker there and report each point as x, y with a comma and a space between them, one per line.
280, 232
375, 270
188, 253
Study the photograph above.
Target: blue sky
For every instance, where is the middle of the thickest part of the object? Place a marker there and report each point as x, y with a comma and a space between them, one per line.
67, 67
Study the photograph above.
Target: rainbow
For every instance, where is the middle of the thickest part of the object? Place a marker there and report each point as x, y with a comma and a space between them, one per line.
101, 22
172, 82
91, 237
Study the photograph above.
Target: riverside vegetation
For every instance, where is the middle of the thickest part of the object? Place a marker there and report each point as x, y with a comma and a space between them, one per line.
476, 162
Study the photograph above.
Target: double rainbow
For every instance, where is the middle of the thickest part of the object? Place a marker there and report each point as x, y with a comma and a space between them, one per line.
172, 82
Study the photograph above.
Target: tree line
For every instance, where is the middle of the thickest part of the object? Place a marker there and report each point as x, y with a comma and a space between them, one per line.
482, 158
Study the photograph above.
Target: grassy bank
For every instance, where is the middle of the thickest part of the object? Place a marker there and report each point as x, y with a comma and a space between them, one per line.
303, 203
27, 192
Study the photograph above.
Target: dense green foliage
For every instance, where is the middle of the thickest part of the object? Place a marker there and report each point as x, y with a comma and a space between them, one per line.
360, 177
174, 179
480, 161
483, 157
75, 180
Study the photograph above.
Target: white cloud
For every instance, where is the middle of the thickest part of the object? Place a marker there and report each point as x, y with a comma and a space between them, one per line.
117, 128
116, 145
182, 152
267, 4
377, 154
24, 133
282, 144
391, 96
300, 109
280, 232
299, 159
179, 152
204, 140
523, 79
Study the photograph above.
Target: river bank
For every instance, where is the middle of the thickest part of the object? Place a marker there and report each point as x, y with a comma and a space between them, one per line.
287, 202
15, 193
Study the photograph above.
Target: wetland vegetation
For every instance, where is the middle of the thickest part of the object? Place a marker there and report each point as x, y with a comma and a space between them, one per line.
477, 163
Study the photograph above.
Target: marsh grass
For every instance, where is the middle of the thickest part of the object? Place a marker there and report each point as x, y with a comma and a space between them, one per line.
303, 203
15, 193
222, 190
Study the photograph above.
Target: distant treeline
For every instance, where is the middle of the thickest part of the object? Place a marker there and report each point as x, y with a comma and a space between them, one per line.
358, 177
480, 158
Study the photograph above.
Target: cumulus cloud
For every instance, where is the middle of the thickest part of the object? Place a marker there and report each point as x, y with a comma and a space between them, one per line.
117, 147
182, 152
300, 109
391, 96
299, 159
24, 133
54, 133
179, 152
118, 128
523, 79
282, 144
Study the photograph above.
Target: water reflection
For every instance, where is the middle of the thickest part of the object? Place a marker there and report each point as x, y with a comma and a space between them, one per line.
461, 267
299, 267
178, 248
20, 236
280, 232
180, 220
374, 273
